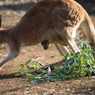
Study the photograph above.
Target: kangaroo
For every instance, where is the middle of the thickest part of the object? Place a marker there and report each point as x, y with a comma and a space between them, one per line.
55, 21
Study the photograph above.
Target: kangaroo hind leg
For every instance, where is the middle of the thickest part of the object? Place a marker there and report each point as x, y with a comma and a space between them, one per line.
88, 30
62, 49
66, 35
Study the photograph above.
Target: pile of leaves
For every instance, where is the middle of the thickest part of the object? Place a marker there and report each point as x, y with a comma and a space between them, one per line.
75, 65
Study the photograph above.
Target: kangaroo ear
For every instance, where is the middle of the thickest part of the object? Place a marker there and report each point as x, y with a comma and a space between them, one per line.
0, 20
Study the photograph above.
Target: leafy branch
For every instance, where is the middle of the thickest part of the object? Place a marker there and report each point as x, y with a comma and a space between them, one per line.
75, 65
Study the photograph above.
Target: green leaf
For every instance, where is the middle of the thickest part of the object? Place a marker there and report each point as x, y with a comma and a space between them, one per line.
17, 74
28, 62
76, 62
30, 75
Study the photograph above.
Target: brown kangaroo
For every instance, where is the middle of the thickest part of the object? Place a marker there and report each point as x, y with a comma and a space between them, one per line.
55, 21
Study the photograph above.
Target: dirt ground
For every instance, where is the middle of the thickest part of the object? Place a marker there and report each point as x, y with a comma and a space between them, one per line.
11, 14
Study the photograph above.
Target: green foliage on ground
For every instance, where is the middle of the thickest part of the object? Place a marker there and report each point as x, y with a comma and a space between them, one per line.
75, 65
